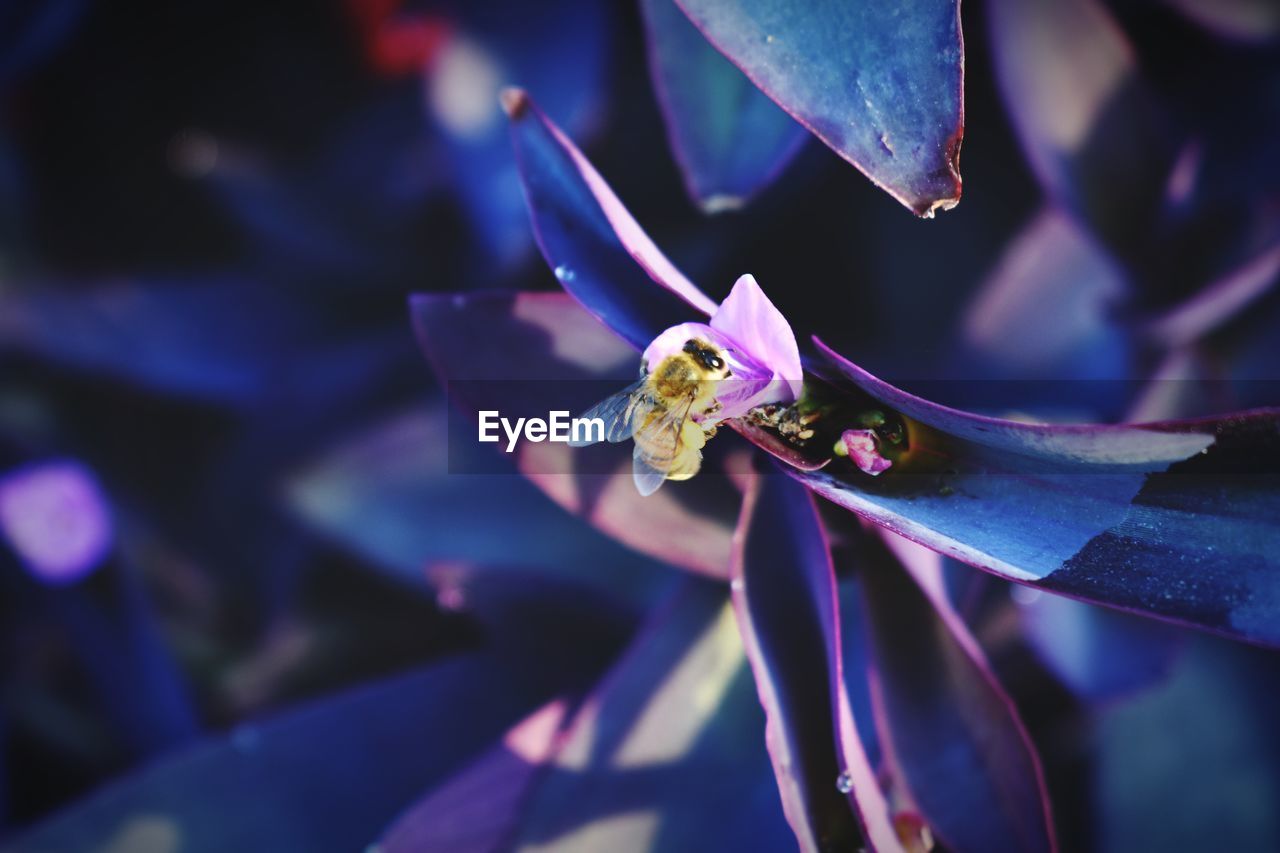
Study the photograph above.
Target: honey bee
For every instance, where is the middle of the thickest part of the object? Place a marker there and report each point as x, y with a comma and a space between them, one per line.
656, 412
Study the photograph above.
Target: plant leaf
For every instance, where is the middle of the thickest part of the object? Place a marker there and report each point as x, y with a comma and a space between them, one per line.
729, 139
950, 729
1071, 83
543, 352
327, 776
785, 596
881, 84
665, 748
1176, 519
597, 250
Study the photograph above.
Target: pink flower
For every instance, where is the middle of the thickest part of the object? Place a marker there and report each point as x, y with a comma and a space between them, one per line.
863, 449
759, 346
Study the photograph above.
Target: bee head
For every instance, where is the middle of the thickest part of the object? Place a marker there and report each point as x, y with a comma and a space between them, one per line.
706, 355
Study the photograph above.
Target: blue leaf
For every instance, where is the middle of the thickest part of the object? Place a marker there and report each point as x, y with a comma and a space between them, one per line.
598, 252
1176, 520
785, 594
728, 137
1195, 763
953, 734
667, 753
324, 777
881, 83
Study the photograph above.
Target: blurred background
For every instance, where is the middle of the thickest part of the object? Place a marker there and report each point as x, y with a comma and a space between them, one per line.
223, 485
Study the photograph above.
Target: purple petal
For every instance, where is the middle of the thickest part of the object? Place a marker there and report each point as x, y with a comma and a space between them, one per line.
881, 84
950, 730
863, 447
56, 519
1069, 78
761, 350
1175, 520
748, 317
541, 345
784, 593
665, 748
728, 137
476, 810
598, 251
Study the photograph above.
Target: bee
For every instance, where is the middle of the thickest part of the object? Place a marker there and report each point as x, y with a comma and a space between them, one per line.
657, 412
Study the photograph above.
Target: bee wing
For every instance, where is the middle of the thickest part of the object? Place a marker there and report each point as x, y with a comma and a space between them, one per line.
658, 445
617, 412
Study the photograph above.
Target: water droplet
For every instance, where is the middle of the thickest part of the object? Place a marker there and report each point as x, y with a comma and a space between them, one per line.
844, 782
565, 274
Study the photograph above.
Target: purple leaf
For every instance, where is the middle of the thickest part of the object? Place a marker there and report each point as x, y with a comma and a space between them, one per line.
1070, 80
1120, 445
1174, 519
387, 494
476, 810
560, 50
728, 137
1241, 20
220, 338
1098, 653
540, 346
665, 748
539, 622
1192, 764
948, 727
1219, 302
784, 593
598, 251
882, 84
1050, 307
329, 775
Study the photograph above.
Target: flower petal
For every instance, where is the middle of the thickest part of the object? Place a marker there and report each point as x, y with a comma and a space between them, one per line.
590, 240
785, 596
748, 317
728, 137
882, 84
1176, 520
